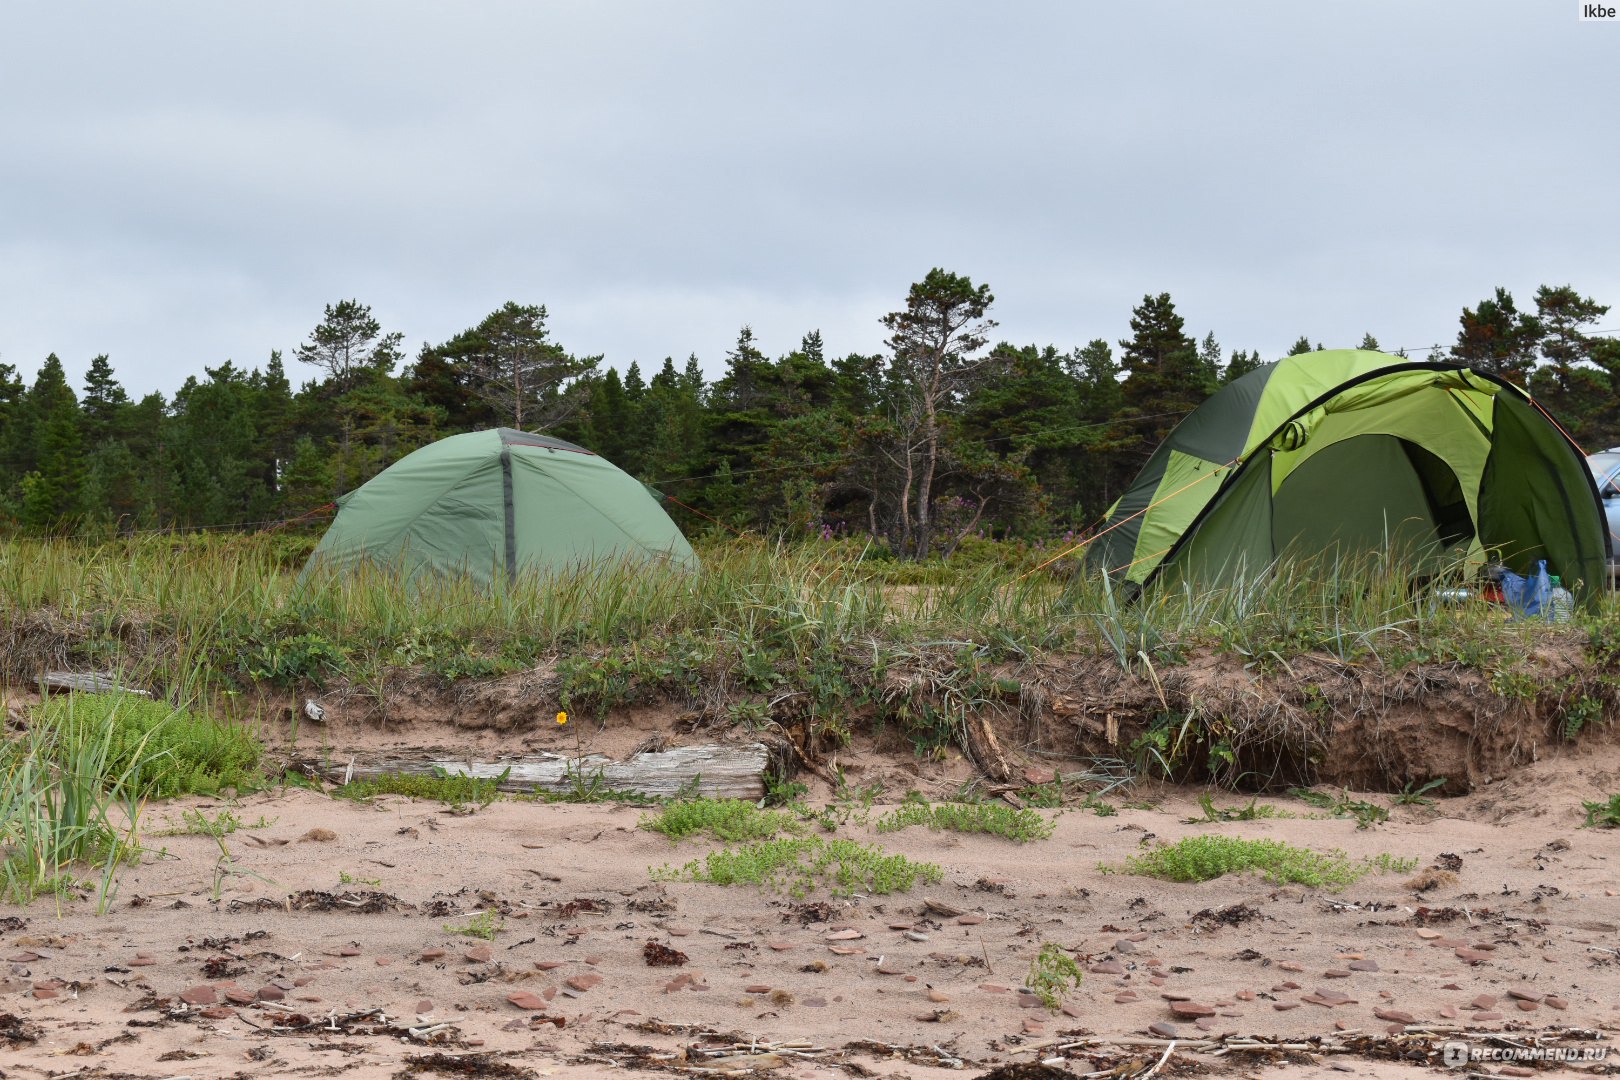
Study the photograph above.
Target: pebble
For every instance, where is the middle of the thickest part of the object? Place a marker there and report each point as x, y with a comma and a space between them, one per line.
1244, 995
45, 993
843, 935
348, 950
815, 1003
384, 961
970, 920
993, 988
432, 954
938, 998
1395, 1016
217, 1012
141, 961
1190, 1009
238, 996
424, 1007
1528, 1006
845, 950
1175, 995
583, 982
1524, 994
1483, 1001
1449, 1012
1482, 1017
1284, 1006
1289, 965
271, 993
1033, 1027
757, 988
1556, 1003
1071, 1009
547, 965
781, 946
479, 954
1107, 967
1428, 935
1363, 965
1472, 956
199, 995
1335, 973
526, 1001
1164, 1031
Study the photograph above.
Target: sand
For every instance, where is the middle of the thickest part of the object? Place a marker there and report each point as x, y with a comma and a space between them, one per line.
327, 944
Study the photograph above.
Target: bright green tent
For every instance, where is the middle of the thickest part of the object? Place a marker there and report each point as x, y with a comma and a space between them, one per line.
492, 503
1345, 452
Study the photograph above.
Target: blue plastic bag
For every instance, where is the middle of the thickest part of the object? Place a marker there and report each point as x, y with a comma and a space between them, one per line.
1528, 597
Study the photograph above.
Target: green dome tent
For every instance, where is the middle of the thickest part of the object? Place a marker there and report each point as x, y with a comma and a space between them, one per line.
497, 502
1346, 451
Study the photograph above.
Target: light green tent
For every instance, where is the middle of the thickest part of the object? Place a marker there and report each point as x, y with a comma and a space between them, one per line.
498, 502
1346, 452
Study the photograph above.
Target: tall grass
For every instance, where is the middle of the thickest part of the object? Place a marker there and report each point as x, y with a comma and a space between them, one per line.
181, 614
70, 797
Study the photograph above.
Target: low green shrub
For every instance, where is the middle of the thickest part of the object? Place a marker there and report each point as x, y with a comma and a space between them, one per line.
1203, 858
451, 789
731, 820
998, 819
799, 864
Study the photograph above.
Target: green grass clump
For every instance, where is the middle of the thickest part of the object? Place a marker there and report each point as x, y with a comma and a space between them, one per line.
1603, 815
170, 751
1051, 974
1203, 858
730, 820
1020, 826
799, 864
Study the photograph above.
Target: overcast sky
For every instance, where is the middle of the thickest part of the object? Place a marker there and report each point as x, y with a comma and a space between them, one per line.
186, 183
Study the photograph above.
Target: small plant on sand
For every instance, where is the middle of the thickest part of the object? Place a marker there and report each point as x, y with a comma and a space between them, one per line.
224, 823
1342, 805
998, 819
346, 878
798, 865
1051, 974
1254, 811
484, 925
730, 820
1411, 796
1603, 815
1203, 858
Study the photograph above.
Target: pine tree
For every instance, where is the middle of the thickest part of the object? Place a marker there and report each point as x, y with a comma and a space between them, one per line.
935, 360
53, 465
1497, 337
1164, 379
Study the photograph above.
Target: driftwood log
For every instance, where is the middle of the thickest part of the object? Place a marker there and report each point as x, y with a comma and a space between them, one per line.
92, 682
718, 771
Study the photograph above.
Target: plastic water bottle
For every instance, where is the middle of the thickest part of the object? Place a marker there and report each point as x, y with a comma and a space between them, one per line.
1561, 603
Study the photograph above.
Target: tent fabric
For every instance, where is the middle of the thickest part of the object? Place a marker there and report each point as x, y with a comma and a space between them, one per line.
1343, 452
494, 503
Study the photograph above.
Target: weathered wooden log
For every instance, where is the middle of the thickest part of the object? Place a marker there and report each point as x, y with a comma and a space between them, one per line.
718, 771
90, 682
